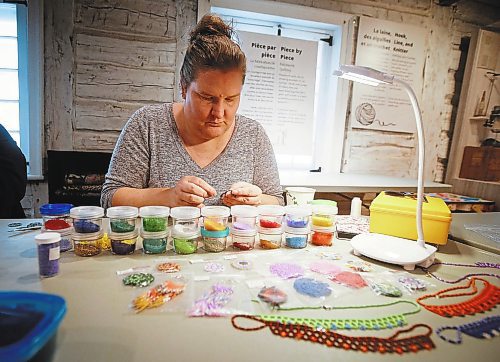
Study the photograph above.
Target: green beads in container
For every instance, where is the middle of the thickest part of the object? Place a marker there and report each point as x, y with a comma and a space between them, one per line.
154, 218
154, 230
185, 229
122, 218
154, 242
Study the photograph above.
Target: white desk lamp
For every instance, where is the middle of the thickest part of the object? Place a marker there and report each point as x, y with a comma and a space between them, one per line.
391, 249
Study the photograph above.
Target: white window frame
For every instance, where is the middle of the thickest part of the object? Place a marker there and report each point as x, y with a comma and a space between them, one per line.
31, 75
329, 141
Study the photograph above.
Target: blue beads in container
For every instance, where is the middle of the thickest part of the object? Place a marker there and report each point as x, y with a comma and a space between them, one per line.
297, 226
87, 219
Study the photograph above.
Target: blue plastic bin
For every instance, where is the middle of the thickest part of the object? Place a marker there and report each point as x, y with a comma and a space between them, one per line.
28, 321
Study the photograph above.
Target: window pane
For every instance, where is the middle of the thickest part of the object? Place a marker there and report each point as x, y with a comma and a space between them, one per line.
17, 137
8, 24
9, 115
9, 53
10, 85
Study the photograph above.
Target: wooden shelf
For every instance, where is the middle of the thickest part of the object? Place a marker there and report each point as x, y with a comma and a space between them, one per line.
479, 118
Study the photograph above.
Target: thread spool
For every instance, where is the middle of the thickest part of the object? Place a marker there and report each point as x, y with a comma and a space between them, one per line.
356, 207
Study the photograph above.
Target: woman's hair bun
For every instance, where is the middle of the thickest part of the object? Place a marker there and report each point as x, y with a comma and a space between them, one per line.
211, 25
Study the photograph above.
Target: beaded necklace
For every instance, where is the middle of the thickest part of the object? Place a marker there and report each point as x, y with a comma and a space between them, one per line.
485, 300
332, 339
485, 328
479, 264
390, 321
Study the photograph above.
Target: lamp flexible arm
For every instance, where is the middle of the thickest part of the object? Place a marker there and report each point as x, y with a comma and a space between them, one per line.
421, 159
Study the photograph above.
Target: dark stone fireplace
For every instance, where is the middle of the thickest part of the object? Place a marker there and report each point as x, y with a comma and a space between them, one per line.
76, 177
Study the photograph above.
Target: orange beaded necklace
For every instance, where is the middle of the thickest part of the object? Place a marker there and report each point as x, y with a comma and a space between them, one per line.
483, 300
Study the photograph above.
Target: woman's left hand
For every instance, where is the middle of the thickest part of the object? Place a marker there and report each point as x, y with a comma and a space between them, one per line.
242, 193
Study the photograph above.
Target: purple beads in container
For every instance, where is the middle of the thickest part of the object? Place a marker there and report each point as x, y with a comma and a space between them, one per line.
48, 254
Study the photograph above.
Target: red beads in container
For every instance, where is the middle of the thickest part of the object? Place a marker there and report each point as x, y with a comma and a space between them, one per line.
56, 217
270, 226
243, 226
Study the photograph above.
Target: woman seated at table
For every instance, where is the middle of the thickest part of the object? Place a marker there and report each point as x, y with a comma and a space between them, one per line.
199, 152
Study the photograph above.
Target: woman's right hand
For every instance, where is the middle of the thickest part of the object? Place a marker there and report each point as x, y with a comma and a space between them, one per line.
191, 191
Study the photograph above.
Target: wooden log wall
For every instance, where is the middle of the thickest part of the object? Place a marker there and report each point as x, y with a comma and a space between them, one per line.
124, 56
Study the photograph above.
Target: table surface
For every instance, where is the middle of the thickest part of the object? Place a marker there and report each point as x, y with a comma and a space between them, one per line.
460, 233
99, 325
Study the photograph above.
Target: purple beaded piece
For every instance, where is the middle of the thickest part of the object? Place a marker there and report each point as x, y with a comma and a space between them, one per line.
286, 271
48, 259
485, 328
214, 267
478, 264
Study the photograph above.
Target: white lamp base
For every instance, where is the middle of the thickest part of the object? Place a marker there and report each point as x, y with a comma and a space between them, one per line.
393, 250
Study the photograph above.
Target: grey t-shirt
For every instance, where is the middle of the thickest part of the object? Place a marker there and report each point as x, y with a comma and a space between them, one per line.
150, 153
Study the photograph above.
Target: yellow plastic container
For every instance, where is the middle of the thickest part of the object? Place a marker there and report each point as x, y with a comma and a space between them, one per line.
394, 215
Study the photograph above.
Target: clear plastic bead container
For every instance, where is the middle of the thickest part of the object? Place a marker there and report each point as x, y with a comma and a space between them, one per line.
243, 226
154, 218
87, 219
87, 244
215, 218
215, 228
214, 241
270, 238
56, 216
154, 242
123, 243
66, 235
122, 219
323, 217
184, 239
185, 220
48, 249
244, 217
271, 216
322, 238
323, 224
296, 238
297, 216
243, 239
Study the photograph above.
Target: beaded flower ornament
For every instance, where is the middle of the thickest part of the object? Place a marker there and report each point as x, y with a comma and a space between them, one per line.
483, 300
485, 328
393, 344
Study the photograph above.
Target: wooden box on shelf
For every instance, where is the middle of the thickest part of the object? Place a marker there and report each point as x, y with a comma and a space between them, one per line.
481, 163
